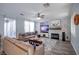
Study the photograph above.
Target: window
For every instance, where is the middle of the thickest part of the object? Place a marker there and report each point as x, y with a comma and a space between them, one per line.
29, 26
9, 27
26, 26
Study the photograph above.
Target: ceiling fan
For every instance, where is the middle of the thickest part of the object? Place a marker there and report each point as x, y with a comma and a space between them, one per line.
39, 15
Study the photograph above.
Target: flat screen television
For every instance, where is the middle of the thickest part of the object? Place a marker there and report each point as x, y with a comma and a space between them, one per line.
44, 28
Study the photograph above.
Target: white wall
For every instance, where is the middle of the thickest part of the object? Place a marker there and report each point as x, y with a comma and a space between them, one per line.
1, 25
19, 26
75, 29
66, 27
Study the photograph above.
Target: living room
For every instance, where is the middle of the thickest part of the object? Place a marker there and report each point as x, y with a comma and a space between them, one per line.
38, 29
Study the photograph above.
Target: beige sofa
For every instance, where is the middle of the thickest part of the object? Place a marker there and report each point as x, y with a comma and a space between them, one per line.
20, 36
16, 47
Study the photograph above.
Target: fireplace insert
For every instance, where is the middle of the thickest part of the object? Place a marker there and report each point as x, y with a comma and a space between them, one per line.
55, 36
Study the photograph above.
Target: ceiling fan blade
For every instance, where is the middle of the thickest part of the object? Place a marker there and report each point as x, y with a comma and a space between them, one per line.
42, 16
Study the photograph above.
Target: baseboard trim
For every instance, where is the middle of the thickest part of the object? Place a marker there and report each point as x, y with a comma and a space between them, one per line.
74, 48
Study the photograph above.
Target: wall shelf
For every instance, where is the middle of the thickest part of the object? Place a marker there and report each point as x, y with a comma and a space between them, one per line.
54, 28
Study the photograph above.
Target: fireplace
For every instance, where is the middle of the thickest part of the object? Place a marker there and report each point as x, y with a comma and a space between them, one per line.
55, 36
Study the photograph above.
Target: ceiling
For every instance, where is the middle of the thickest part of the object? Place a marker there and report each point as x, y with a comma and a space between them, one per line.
30, 10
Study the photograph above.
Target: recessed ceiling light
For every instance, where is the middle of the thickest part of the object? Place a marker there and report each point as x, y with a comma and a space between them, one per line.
21, 14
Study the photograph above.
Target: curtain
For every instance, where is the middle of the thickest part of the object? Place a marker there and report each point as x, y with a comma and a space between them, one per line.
9, 27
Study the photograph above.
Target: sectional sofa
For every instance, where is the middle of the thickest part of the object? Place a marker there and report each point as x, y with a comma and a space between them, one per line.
11, 46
